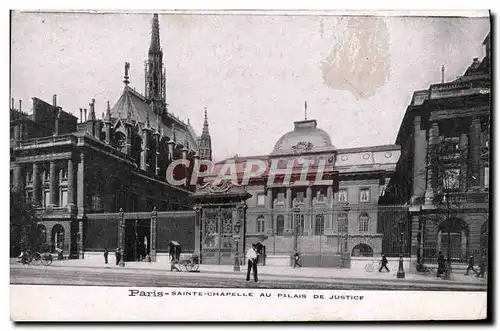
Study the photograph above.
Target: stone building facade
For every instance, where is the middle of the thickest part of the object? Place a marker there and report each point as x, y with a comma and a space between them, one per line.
71, 168
329, 212
445, 144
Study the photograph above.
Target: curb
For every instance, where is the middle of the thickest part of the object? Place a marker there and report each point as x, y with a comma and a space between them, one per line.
441, 282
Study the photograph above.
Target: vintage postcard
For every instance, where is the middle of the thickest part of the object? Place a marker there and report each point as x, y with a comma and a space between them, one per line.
249, 165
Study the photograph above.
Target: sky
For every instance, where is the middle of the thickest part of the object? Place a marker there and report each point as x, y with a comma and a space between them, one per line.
252, 72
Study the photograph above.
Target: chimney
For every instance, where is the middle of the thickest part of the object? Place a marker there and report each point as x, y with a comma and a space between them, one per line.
20, 105
81, 115
54, 100
85, 112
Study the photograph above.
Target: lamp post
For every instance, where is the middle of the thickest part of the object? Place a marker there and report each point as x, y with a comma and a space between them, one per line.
296, 218
121, 238
343, 235
401, 272
236, 235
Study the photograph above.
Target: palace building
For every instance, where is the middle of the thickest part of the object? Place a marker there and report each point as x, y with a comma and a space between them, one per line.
328, 212
443, 174
78, 170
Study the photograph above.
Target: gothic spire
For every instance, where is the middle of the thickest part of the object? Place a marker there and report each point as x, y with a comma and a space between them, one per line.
205, 125
108, 112
155, 35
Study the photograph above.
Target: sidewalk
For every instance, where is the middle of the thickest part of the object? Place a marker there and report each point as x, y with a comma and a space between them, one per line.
319, 274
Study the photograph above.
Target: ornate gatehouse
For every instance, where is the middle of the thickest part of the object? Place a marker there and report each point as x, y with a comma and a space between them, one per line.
220, 225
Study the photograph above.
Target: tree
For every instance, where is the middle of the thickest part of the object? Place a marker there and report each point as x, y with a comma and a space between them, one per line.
24, 232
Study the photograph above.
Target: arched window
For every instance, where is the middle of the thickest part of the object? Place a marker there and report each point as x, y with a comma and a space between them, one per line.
363, 222
362, 250
280, 225
261, 221
319, 226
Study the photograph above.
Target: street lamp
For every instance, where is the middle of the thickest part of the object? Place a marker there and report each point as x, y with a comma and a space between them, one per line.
296, 218
343, 235
122, 239
401, 272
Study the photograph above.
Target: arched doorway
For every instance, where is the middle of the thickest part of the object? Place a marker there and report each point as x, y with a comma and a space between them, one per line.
57, 237
453, 238
362, 250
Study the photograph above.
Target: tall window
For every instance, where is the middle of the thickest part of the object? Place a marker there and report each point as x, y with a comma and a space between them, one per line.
363, 222
486, 177
342, 220
342, 195
46, 198
319, 226
299, 226
64, 198
280, 225
261, 200
300, 196
364, 195
261, 221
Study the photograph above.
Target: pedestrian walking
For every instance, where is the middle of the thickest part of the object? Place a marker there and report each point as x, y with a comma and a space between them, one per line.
296, 260
252, 262
383, 264
118, 255
106, 256
482, 266
470, 265
441, 264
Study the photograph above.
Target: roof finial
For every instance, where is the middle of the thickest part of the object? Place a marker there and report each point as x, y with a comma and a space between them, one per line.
204, 131
108, 112
155, 35
442, 74
126, 77
305, 110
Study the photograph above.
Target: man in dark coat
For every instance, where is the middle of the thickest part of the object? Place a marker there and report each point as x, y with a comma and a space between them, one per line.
482, 266
118, 255
470, 265
106, 256
441, 264
383, 264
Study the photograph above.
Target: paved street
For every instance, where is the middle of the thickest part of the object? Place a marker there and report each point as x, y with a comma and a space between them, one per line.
61, 274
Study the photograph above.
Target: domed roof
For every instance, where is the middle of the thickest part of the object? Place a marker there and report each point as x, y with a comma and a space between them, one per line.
305, 137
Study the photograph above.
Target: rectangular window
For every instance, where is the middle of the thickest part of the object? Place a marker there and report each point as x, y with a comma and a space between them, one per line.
300, 196
281, 197
342, 195
364, 195
342, 220
451, 179
64, 198
261, 199
29, 177
486, 177
29, 196
46, 198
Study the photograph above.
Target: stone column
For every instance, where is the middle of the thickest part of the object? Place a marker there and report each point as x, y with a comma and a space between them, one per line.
415, 227
145, 150
17, 176
152, 241
80, 197
269, 205
309, 217
289, 207
329, 216
419, 159
475, 151
108, 132
81, 237
463, 145
431, 175
439, 237
36, 184
71, 179
157, 153
197, 231
463, 244
53, 183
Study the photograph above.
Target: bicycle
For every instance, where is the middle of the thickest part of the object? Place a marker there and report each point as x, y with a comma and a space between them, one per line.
36, 259
372, 265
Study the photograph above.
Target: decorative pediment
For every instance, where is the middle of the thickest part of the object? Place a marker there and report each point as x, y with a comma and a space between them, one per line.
302, 147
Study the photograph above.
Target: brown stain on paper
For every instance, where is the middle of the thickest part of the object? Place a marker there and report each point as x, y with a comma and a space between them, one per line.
360, 62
